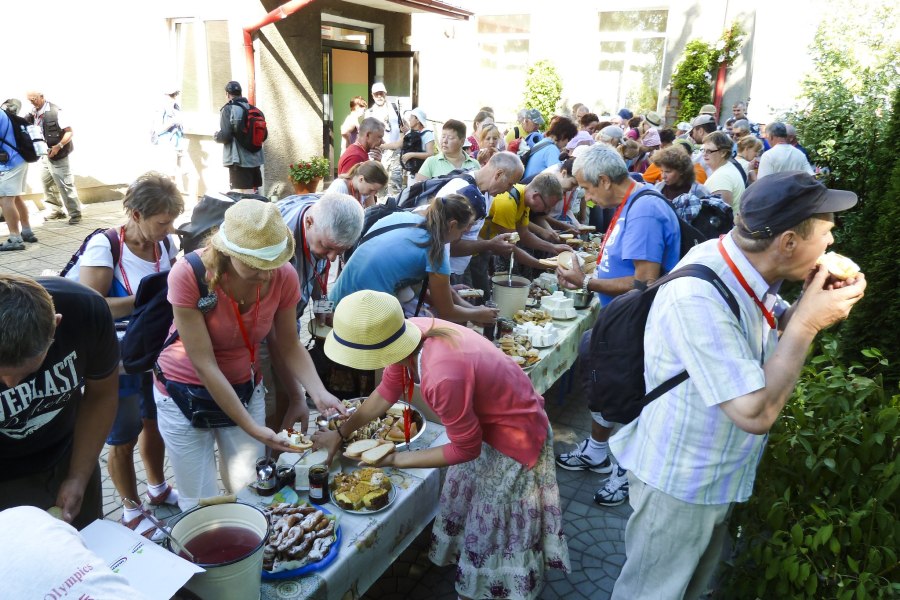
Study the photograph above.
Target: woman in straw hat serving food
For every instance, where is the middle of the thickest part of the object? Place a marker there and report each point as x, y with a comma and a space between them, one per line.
499, 516
209, 390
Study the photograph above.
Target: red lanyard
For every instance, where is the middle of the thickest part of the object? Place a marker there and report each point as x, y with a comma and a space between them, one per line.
323, 278
250, 347
567, 201
612, 224
408, 386
768, 314
122, 262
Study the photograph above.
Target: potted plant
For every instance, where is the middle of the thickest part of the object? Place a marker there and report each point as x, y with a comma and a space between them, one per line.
307, 173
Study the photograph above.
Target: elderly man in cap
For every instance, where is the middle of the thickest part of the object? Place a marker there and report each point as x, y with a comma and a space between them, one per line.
244, 172
694, 451
782, 156
532, 123
394, 130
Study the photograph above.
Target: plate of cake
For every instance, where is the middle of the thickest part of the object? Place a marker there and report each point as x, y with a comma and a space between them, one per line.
366, 491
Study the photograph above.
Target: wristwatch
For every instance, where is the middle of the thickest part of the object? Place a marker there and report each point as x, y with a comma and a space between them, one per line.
585, 282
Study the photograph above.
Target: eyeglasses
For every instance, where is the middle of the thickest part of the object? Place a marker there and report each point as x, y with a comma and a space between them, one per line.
708, 151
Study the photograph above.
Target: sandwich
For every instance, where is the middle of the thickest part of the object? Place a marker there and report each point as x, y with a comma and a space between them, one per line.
839, 266
356, 449
374, 455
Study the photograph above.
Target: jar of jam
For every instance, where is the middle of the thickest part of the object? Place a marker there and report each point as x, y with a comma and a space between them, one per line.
318, 484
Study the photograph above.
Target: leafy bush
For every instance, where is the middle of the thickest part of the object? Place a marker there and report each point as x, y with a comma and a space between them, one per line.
693, 76
846, 122
543, 88
823, 519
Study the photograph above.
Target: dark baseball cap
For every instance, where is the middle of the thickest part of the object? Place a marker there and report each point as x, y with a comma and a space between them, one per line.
777, 202
233, 88
475, 198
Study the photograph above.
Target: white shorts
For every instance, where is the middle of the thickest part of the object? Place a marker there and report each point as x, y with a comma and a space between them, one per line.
12, 182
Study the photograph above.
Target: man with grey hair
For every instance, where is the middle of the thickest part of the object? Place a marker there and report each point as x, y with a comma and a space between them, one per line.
740, 129
56, 174
739, 112
782, 156
366, 147
642, 243
323, 229
59, 383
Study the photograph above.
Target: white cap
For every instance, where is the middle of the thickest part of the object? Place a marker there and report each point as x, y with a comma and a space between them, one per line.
378, 87
419, 114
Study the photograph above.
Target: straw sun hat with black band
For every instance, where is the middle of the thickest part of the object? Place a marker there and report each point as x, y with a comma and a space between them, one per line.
254, 233
370, 332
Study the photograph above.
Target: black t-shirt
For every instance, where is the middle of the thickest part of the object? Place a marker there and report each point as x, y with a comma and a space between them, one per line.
37, 417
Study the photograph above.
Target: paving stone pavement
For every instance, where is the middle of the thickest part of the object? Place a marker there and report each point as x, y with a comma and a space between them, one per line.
595, 534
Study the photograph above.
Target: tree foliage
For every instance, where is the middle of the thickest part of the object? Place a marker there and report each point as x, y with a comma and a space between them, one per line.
543, 88
848, 124
694, 74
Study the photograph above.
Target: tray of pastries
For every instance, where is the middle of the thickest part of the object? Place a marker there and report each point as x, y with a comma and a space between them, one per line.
302, 539
387, 427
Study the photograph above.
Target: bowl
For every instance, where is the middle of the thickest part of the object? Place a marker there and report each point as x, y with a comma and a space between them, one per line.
581, 298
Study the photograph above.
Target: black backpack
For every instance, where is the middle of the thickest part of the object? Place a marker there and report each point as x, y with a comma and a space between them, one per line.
207, 215
412, 142
612, 353
423, 191
148, 327
24, 145
252, 131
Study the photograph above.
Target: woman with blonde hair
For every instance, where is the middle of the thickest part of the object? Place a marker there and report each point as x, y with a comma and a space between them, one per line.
363, 181
489, 139
411, 251
499, 518
209, 392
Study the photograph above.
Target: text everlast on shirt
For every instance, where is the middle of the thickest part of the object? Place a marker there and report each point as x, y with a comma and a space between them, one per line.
37, 416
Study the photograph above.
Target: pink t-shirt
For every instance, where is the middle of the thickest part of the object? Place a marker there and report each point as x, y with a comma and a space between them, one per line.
231, 353
479, 393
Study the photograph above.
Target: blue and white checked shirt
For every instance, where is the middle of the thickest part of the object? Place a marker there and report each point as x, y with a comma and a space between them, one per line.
683, 444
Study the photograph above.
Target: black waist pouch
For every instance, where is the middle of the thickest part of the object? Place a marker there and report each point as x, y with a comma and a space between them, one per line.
197, 404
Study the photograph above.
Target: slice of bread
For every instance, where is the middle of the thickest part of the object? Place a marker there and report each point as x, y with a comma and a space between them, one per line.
376, 454
356, 449
839, 266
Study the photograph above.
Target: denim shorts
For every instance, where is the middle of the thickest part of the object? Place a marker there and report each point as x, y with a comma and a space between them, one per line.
135, 405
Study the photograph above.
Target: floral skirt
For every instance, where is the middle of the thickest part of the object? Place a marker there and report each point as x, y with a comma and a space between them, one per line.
501, 524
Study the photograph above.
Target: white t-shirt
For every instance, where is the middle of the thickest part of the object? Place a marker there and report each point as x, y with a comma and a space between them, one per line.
458, 264
98, 253
44, 557
729, 179
427, 136
780, 158
387, 115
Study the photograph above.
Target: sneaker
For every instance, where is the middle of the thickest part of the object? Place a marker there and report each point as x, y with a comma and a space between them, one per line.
75, 220
579, 460
29, 237
615, 491
11, 244
57, 215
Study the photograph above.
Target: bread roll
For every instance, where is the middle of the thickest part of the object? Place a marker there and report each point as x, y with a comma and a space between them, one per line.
356, 449
565, 260
377, 453
839, 266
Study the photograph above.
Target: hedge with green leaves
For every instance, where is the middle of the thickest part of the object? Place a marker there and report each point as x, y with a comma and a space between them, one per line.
543, 88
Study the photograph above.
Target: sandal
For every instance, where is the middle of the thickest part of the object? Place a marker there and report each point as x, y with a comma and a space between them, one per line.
11, 244
162, 498
144, 526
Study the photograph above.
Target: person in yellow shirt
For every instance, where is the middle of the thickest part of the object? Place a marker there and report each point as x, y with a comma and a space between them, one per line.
509, 212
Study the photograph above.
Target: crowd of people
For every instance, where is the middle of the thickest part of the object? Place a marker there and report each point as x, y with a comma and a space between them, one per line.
396, 306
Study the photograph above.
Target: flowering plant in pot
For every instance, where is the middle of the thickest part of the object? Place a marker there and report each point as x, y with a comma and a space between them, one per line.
308, 172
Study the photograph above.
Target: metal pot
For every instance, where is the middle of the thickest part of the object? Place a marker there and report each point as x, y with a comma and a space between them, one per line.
581, 298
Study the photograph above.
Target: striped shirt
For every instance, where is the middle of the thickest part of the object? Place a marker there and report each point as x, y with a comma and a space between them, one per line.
683, 443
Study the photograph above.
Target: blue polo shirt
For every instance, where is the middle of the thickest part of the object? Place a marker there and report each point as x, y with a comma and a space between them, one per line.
645, 230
